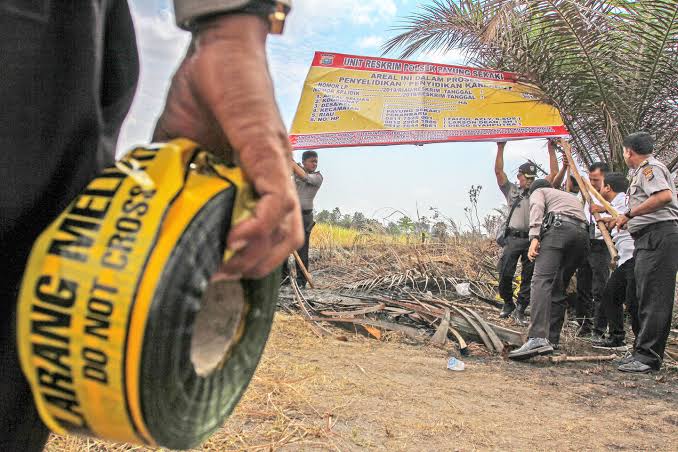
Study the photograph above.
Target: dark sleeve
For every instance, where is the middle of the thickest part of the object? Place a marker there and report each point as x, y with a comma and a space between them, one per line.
188, 11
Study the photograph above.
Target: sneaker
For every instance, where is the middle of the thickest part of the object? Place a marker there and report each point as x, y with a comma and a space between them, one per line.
610, 344
635, 367
533, 347
507, 310
627, 358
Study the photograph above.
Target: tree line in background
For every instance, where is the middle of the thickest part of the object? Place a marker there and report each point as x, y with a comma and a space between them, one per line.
433, 226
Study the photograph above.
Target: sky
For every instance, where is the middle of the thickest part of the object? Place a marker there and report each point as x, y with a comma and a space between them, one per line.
372, 180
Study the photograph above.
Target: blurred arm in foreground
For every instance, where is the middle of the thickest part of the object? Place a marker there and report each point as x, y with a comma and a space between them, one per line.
222, 97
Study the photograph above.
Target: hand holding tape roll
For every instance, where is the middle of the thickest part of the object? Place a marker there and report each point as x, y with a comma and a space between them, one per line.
121, 334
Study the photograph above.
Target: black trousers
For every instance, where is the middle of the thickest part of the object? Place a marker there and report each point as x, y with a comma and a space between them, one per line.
561, 251
68, 73
307, 219
656, 257
515, 250
592, 276
620, 290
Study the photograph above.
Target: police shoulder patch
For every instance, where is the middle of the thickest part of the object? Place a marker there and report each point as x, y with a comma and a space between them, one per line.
648, 172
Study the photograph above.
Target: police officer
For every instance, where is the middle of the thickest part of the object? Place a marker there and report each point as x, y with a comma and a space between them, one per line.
515, 238
308, 180
558, 243
652, 220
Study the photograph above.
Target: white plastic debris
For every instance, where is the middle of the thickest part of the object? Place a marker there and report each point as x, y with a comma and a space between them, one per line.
463, 289
455, 364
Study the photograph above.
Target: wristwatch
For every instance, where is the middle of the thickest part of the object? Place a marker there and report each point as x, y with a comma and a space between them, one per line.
273, 11
628, 215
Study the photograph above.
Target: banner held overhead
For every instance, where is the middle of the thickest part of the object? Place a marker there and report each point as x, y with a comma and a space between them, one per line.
351, 100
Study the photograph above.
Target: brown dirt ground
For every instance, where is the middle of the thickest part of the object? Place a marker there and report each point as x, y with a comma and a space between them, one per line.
348, 392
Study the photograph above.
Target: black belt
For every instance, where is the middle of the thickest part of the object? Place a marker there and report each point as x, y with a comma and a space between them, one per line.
306, 211
654, 227
519, 234
565, 219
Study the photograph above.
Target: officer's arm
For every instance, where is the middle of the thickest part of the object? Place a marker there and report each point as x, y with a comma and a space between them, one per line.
315, 179
553, 164
502, 179
560, 176
298, 170
653, 182
655, 202
537, 209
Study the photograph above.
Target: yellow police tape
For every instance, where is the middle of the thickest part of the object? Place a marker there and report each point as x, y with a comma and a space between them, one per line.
93, 283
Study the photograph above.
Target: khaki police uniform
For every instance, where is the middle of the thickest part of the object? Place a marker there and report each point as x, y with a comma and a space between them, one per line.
515, 249
656, 260
563, 245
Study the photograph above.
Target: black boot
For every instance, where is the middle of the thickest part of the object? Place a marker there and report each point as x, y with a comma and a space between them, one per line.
519, 315
507, 310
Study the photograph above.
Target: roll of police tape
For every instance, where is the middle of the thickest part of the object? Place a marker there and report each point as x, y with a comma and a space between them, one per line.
121, 335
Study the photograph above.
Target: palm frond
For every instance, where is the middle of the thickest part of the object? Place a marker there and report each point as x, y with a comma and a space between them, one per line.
609, 66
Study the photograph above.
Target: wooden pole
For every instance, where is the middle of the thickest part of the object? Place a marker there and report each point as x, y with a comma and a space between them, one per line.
611, 210
614, 255
303, 269
578, 359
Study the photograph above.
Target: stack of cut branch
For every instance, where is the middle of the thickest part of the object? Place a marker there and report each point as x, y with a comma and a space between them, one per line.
415, 290
433, 318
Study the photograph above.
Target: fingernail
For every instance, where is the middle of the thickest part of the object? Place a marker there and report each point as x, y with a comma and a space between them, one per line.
238, 245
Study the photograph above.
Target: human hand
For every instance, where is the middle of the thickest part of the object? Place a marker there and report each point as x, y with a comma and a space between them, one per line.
595, 208
222, 97
533, 251
501, 145
610, 222
620, 222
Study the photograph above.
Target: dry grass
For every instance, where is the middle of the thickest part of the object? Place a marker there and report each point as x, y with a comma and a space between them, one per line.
347, 392
357, 394
328, 237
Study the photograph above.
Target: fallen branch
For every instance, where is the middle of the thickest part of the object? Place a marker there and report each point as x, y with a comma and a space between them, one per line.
578, 359
407, 330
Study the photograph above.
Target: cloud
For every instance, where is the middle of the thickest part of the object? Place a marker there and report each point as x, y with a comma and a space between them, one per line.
370, 12
370, 42
317, 14
454, 57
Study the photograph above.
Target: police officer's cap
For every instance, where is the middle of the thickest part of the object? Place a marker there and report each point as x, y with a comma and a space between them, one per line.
528, 169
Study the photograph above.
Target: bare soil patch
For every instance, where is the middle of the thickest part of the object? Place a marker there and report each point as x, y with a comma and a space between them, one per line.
348, 392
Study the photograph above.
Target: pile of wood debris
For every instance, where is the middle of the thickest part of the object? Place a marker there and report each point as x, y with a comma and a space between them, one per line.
419, 291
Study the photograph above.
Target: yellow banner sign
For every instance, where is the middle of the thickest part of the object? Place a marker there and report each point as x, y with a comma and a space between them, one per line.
351, 100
